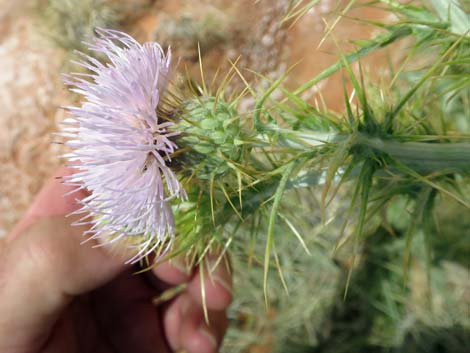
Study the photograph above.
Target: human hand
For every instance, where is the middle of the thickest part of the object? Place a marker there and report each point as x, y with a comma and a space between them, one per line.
60, 296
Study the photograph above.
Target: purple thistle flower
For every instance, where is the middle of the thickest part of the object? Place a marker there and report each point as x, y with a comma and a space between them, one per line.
120, 146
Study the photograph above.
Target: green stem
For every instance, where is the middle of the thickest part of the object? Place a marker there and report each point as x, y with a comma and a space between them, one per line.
422, 156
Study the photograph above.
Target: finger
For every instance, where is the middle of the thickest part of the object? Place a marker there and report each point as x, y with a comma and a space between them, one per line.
41, 271
173, 317
217, 285
205, 337
186, 328
54, 199
174, 271
126, 315
199, 336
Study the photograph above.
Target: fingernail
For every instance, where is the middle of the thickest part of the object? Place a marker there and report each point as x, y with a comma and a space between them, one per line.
203, 331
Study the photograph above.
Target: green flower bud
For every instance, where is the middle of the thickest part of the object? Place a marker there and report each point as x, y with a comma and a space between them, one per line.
211, 128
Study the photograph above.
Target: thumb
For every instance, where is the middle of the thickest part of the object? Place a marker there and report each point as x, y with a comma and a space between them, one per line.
41, 271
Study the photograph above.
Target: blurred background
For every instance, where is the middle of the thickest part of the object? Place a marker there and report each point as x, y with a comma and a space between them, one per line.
429, 312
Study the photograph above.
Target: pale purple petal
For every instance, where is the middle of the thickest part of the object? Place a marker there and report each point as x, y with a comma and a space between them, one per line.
120, 146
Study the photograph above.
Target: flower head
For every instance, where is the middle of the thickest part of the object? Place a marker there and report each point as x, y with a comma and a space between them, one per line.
121, 147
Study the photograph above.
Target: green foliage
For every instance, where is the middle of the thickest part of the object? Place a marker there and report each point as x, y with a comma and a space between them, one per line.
385, 314
70, 22
186, 32
312, 278
408, 145
385, 269
403, 151
454, 14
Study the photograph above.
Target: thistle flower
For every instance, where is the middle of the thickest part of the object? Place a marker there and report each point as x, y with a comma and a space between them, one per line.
121, 147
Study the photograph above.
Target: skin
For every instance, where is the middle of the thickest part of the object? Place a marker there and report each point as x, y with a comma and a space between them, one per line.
58, 295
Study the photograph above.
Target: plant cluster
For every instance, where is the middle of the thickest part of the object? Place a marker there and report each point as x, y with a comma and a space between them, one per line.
249, 181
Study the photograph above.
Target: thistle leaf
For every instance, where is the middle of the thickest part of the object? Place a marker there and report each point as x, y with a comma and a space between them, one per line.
272, 220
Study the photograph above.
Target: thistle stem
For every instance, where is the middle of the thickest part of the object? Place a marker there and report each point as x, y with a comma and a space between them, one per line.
423, 156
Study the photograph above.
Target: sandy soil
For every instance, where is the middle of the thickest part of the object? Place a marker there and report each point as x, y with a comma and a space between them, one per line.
30, 94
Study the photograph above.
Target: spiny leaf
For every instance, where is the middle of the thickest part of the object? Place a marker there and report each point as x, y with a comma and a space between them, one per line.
365, 184
272, 220
296, 232
381, 41
203, 291
424, 79
453, 13
239, 181
423, 202
336, 161
265, 96
360, 91
296, 13
211, 195
279, 269
230, 201
413, 13
336, 21
426, 181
